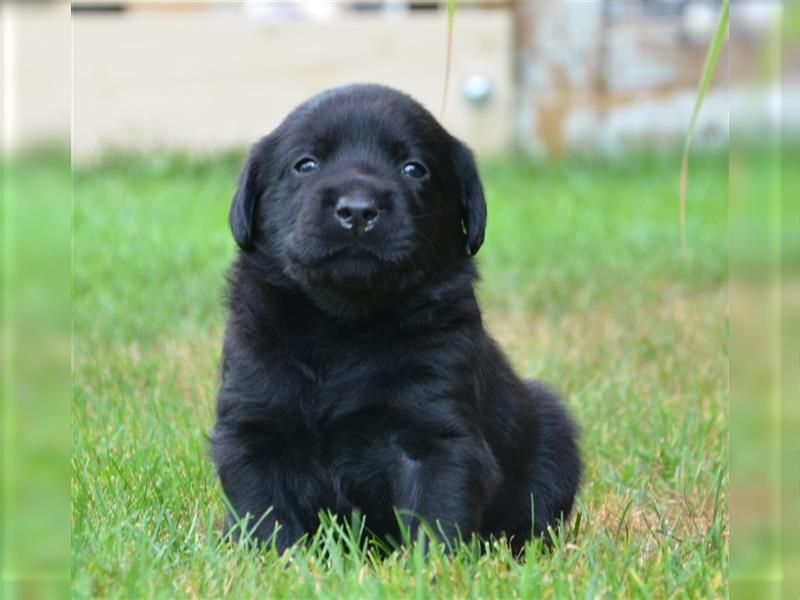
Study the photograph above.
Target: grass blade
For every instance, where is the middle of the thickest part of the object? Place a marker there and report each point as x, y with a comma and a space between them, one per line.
705, 83
451, 11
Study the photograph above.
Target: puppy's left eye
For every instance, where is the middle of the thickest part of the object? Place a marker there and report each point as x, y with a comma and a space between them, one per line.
306, 165
414, 170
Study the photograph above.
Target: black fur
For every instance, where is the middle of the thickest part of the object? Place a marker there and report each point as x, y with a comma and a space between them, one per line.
356, 370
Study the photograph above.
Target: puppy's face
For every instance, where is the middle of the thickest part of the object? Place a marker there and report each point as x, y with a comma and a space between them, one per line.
357, 197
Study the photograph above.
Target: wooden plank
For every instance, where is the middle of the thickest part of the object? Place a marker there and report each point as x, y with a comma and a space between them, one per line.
204, 84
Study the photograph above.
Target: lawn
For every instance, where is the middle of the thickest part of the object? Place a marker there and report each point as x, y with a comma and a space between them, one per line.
584, 283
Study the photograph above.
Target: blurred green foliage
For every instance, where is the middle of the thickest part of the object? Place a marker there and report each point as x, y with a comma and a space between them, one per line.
36, 312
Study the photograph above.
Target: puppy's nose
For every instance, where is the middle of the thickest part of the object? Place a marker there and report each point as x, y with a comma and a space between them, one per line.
357, 213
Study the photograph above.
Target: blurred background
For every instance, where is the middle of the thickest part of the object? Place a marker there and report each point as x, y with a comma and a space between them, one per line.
545, 77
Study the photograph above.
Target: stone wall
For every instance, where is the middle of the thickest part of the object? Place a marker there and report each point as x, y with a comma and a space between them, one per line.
615, 76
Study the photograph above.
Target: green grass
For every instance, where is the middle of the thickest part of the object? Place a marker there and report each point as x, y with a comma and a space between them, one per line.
584, 283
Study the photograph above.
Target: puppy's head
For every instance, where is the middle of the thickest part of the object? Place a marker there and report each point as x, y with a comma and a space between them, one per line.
358, 196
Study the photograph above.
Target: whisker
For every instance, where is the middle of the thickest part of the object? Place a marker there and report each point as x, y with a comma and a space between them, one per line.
426, 215
424, 237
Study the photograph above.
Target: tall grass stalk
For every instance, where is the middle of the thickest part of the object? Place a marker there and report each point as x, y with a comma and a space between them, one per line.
709, 68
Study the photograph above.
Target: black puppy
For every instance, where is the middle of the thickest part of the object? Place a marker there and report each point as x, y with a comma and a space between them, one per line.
356, 371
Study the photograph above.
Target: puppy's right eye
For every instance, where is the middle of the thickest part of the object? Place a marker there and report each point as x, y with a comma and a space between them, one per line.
414, 170
306, 165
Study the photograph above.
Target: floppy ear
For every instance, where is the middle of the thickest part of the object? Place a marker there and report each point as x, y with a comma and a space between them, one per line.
473, 202
250, 189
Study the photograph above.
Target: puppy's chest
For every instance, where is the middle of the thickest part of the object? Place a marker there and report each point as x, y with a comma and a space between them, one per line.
347, 382
356, 377
371, 376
